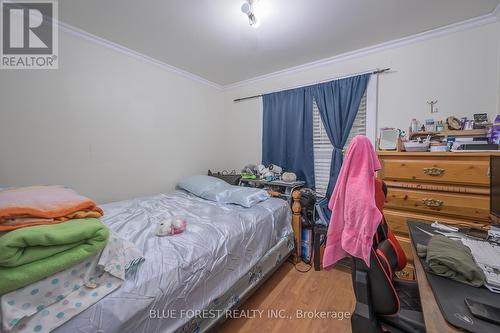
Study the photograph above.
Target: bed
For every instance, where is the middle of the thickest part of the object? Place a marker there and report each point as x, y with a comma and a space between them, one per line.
224, 254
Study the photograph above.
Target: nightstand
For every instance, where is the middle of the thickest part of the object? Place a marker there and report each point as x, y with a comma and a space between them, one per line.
289, 191
285, 189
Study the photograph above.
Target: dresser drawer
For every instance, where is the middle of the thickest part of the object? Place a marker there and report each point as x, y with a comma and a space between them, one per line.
435, 170
405, 243
396, 219
464, 206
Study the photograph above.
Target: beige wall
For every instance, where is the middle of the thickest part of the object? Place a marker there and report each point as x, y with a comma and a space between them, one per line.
114, 127
460, 70
106, 124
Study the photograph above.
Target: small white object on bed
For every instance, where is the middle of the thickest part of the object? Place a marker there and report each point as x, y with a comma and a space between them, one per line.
171, 226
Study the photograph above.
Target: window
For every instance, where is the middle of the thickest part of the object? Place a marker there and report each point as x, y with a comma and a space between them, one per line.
323, 148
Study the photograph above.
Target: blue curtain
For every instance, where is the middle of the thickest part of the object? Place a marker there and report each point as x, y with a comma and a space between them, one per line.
287, 138
338, 103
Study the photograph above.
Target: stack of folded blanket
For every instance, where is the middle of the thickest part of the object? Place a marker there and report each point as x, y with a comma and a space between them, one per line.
46, 230
39, 205
56, 256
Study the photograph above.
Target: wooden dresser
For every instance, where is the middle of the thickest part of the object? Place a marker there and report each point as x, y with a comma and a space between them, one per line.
451, 188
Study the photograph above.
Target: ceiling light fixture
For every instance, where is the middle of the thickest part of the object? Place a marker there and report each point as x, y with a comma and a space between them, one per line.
247, 8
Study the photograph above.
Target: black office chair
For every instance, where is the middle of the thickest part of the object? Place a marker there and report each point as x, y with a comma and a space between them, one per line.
384, 303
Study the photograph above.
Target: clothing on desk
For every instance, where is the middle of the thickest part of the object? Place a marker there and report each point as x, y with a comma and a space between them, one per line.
451, 259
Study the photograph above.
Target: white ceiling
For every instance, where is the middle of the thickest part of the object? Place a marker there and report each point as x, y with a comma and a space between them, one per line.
212, 38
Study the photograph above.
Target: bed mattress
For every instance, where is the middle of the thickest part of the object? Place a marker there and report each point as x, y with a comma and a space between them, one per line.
221, 247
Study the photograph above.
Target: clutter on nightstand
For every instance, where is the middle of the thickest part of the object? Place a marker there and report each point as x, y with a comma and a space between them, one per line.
230, 177
269, 173
289, 177
250, 171
272, 178
277, 188
280, 184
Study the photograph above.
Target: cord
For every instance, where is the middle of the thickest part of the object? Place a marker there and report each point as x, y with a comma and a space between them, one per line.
308, 266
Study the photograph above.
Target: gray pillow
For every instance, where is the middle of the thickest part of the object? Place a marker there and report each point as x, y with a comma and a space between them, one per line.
203, 186
243, 196
215, 189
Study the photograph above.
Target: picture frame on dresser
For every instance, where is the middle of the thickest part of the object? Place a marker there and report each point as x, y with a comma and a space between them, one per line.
390, 140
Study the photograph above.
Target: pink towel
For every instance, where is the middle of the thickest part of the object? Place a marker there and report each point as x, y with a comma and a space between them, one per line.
355, 216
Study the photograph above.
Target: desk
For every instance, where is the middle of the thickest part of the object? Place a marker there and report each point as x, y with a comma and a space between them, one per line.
442, 299
434, 321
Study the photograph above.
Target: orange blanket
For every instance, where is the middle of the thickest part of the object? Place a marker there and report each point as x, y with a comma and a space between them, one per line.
35, 205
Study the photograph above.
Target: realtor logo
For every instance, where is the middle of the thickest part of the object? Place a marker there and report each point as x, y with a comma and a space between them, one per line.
29, 38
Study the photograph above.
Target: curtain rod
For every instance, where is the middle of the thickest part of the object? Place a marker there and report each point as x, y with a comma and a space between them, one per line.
378, 71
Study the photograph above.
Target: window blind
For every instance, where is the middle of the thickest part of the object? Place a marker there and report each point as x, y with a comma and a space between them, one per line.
323, 148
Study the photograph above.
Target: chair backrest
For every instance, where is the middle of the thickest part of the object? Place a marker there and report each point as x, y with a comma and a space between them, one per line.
383, 231
386, 258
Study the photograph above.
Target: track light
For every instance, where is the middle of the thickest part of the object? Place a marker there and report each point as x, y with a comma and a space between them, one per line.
247, 8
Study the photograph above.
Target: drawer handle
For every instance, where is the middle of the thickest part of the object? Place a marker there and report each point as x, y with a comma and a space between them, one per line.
433, 171
404, 274
434, 203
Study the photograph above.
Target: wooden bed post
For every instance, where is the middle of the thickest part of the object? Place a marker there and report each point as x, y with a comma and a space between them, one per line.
296, 224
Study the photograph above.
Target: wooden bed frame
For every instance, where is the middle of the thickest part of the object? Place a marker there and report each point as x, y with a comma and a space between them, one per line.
296, 224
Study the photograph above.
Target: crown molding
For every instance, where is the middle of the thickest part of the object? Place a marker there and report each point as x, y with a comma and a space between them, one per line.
442, 31
134, 54
492, 17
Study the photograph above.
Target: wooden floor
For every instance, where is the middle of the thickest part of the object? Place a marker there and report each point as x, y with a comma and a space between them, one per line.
290, 290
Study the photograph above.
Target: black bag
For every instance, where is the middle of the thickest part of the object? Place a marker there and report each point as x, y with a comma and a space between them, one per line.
308, 202
230, 178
